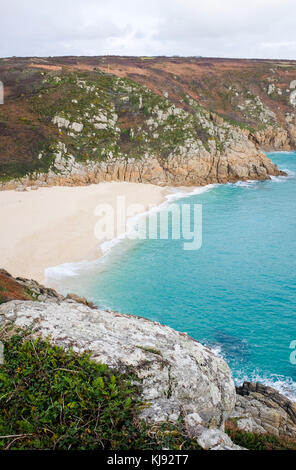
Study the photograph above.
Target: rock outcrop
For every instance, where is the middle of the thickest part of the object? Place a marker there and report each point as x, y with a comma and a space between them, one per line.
178, 375
277, 138
27, 289
242, 162
208, 439
260, 409
107, 128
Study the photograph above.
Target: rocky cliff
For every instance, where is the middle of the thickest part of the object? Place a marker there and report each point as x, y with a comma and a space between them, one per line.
162, 121
178, 377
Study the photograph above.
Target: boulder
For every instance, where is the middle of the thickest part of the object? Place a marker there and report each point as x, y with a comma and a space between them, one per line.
261, 409
178, 375
215, 439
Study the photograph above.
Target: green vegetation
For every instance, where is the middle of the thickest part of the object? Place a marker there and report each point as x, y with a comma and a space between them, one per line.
120, 118
57, 400
253, 441
53, 399
151, 350
2, 290
71, 111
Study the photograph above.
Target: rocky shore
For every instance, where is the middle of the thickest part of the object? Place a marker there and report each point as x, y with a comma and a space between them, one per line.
178, 376
99, 127
198, 170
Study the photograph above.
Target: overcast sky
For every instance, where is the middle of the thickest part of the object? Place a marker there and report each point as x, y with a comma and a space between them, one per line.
218, 28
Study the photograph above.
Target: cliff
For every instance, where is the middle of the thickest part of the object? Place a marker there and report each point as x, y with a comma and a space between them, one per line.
178, 377
73, 121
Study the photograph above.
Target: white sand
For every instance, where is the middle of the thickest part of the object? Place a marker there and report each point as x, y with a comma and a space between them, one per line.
52, 226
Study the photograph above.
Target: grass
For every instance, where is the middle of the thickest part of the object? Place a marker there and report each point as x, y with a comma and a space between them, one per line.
54, 399
150, 350
252, 441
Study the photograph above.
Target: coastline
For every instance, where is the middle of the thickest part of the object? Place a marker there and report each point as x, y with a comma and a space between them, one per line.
77, 247
55, 226
170, 194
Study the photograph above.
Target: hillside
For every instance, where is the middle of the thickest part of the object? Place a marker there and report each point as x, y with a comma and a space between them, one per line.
78, 120
146, 386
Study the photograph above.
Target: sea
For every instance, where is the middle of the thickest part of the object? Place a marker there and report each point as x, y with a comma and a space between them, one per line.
235, 294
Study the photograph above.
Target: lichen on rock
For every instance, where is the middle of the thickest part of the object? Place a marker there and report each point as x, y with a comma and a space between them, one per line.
183, 378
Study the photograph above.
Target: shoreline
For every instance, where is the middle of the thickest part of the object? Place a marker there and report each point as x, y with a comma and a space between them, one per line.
170, 195
57, 229
55, 226
162, 196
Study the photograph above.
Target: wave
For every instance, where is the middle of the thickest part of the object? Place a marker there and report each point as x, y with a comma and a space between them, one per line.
282, 179
71, 270
177, 195
284, 385
253, 184
245, 184
285, 152
132, 223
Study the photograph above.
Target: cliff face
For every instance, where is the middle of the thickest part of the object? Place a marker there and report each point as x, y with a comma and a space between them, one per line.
177, 373
163, 121
262, 409
178, 377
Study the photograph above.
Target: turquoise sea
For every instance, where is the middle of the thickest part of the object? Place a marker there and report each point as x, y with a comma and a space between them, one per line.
236, 294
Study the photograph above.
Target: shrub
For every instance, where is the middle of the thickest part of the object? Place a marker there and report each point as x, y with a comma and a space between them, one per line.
254, 441
57, 400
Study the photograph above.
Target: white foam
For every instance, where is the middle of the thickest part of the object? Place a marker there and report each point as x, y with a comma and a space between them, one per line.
176, 195
132, 222
281, 178
286, 152
66, 270
217, 350
284, 385
245, 184
74, 269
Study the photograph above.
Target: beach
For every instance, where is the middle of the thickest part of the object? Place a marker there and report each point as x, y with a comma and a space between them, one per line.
52, 226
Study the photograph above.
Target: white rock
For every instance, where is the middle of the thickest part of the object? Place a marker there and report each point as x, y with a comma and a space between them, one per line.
214, 439
178, 374
192, 424
77, 127
293, 98
61, 122
101, 126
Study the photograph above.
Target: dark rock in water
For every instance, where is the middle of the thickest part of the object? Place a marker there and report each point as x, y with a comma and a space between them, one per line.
262, 409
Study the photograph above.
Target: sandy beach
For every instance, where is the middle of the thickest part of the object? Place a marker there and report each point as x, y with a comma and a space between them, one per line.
53, 226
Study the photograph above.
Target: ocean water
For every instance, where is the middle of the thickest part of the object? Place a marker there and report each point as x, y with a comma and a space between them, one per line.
236, 294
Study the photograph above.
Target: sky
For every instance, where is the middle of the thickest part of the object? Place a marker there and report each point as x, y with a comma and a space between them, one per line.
209, 28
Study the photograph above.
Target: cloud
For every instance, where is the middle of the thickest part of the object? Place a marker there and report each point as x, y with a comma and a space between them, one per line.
257, 28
